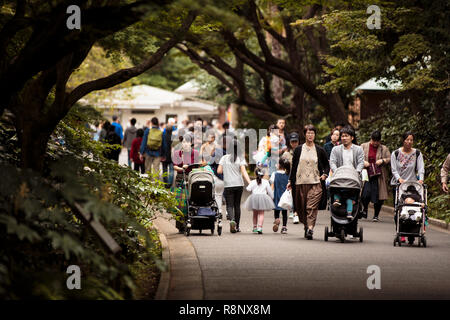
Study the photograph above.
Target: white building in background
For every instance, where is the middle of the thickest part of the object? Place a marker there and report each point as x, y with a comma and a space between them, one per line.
144, 102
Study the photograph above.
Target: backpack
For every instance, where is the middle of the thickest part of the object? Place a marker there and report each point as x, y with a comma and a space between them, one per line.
154, 139
417, 156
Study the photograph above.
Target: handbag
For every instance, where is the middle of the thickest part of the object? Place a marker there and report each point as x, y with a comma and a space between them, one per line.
373, 170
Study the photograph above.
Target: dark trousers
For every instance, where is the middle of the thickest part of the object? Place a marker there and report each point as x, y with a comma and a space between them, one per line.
139, 167
377, 206
233, 197
285, 216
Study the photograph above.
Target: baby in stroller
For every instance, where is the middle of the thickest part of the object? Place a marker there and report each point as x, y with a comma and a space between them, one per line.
411, 203
349, 197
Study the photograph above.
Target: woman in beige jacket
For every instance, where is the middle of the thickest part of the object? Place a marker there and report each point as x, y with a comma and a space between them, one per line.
376, 189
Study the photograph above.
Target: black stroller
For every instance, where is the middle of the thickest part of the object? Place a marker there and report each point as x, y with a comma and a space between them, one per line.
202, 210
410, 217
345, 180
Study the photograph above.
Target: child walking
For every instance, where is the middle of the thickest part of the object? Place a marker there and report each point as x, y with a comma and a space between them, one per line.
260, 200
279, 181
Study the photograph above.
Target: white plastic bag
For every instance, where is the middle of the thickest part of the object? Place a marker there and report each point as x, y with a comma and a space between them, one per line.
364, 175
286, 201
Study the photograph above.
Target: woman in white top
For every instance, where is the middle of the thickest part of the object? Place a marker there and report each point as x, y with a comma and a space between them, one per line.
260, 200
233, 168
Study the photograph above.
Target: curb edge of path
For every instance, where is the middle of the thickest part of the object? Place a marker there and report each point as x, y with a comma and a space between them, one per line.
183, 279
164, 279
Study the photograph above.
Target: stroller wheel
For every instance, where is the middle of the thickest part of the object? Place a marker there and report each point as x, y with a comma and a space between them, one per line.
399, 241
411, 241
342, 236
212, 231
395, 241
326, 234
219, 230
361, 235
200, 231
187, 232
424, 241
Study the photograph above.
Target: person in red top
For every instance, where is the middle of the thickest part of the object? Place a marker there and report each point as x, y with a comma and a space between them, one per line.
184, 156
376, 160
134, 152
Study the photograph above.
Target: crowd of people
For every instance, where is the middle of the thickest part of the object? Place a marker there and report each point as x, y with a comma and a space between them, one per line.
282, 163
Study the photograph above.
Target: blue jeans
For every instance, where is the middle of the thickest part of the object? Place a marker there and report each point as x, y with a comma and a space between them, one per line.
168, 178
349, 202
129, 160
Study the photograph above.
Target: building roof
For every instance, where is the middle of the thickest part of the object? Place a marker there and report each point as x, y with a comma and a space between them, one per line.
380, 84
190, 89
141, 97
144, 97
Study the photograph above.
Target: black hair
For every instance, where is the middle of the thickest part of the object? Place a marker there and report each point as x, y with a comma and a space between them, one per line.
271, 127
259, 174
133, 121
406, 135
139, 133
348, 130
309, 127
199, 119
235, 150
283, 164
114, 118
154, 121
106, 125
376, 135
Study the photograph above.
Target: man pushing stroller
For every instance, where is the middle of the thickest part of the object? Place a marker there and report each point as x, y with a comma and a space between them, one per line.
346, 154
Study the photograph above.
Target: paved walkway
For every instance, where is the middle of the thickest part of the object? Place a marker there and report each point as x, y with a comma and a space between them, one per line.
276, 266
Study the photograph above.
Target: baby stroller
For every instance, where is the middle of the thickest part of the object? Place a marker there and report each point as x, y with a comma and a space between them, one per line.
202, 210
346, 182
410, 216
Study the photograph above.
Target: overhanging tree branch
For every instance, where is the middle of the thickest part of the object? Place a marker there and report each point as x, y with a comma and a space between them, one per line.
126, 74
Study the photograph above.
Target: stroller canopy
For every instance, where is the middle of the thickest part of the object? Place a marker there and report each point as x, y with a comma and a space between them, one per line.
345, 177
417, 186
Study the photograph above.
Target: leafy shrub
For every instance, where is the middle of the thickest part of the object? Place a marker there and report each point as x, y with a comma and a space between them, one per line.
42, 233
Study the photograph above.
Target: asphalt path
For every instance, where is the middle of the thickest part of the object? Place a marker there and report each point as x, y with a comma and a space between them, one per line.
279, 266
287, 266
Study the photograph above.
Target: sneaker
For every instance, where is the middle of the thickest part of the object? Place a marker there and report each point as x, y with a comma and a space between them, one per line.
364, 214
276, 223
283, 230
296, 219
375, 219
291, 215
336, 204
309, 234
238, 229
259, 230
255, 230
233, 227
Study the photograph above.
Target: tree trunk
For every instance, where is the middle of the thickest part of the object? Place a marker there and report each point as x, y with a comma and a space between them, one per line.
277, 82
298, 108
33, 144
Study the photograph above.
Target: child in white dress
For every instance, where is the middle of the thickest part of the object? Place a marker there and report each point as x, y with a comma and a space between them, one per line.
260, 200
